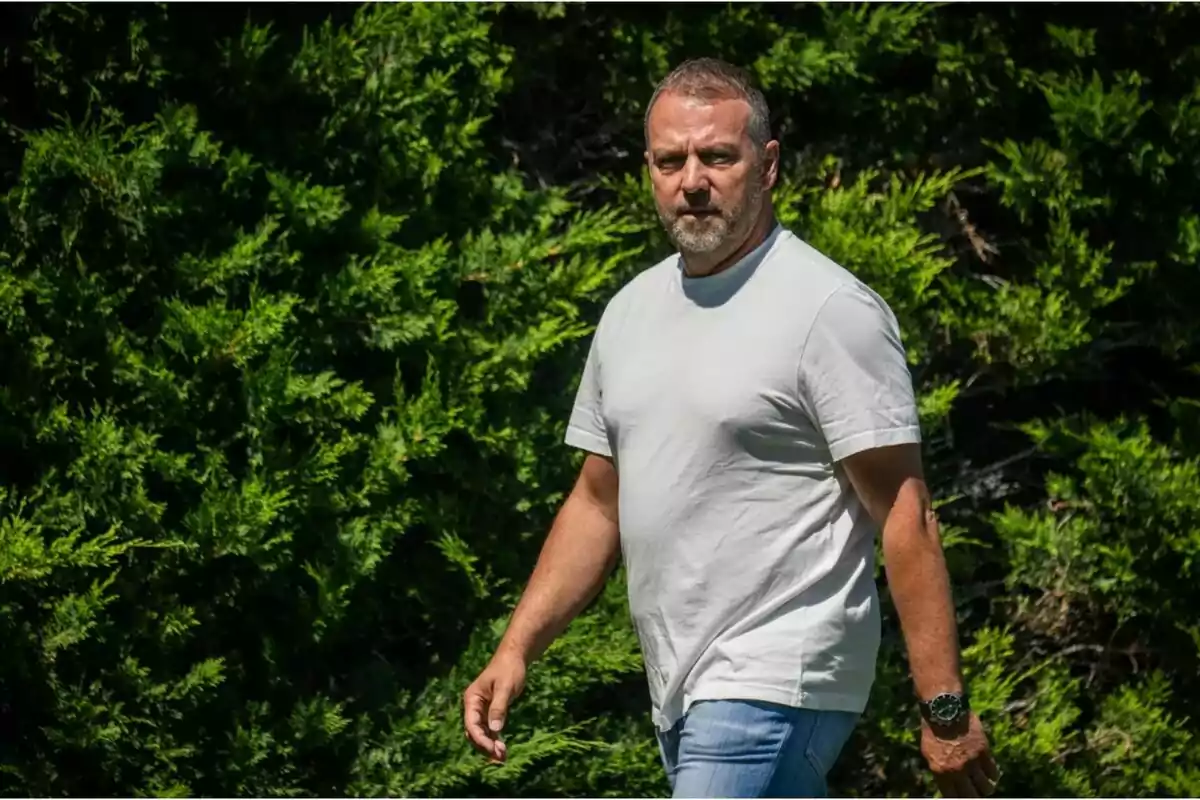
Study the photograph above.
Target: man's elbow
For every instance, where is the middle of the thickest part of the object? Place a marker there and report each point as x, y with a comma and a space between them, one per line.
910, 520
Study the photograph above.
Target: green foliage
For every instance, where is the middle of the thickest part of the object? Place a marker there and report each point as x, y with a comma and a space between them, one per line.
1121, 530
292, 307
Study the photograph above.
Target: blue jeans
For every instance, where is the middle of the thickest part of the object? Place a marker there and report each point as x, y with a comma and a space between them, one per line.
737, 748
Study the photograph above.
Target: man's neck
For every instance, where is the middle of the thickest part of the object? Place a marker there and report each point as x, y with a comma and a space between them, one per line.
700, 267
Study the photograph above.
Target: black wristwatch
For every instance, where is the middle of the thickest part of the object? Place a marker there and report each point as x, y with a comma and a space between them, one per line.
945, 709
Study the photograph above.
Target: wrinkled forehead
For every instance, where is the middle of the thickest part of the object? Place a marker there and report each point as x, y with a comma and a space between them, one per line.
689, 120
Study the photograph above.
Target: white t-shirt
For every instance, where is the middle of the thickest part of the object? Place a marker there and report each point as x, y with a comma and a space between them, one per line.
726, 403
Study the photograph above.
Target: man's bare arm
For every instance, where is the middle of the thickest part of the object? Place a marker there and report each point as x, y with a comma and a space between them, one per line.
890, 482
578, 556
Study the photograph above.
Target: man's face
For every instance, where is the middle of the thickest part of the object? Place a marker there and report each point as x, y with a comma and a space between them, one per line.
709, 179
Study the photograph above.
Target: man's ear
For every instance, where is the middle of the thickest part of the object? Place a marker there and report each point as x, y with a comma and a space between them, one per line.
771, 164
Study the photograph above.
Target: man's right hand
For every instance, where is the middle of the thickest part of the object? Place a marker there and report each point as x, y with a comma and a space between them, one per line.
580, 552
486, 702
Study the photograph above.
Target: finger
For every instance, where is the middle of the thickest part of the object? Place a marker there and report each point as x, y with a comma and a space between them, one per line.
956, 784
473, 716
498, 711
983, 785
473, 709
966, 787
990, 768
978, 781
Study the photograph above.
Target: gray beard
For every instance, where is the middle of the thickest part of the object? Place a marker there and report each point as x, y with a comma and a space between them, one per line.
702, 238
706, 236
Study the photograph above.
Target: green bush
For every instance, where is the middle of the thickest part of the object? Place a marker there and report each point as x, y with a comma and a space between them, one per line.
292, 310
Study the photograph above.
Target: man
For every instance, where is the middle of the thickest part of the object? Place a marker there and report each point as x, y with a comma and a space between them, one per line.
750, 421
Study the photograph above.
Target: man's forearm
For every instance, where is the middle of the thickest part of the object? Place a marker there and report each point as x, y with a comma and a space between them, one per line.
920, 588
575, 561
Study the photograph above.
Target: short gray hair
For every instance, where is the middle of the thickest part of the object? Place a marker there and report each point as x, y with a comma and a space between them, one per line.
712, 79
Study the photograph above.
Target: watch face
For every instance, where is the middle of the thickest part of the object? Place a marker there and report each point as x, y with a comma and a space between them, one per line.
945, 708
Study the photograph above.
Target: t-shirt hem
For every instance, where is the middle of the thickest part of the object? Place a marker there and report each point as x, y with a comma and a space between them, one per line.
586, 440
844, 448
854, 703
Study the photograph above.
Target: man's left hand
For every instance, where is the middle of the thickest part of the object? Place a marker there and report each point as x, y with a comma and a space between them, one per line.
960, 758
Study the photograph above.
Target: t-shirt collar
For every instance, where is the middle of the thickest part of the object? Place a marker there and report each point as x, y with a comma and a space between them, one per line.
728, 279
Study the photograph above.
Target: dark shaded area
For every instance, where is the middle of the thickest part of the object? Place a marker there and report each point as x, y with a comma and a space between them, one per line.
568, 115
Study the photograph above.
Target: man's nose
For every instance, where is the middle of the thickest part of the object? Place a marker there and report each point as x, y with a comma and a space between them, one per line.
695, 177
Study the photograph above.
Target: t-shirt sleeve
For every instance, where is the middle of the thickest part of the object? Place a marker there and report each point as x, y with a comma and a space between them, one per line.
854, 377
586, 429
